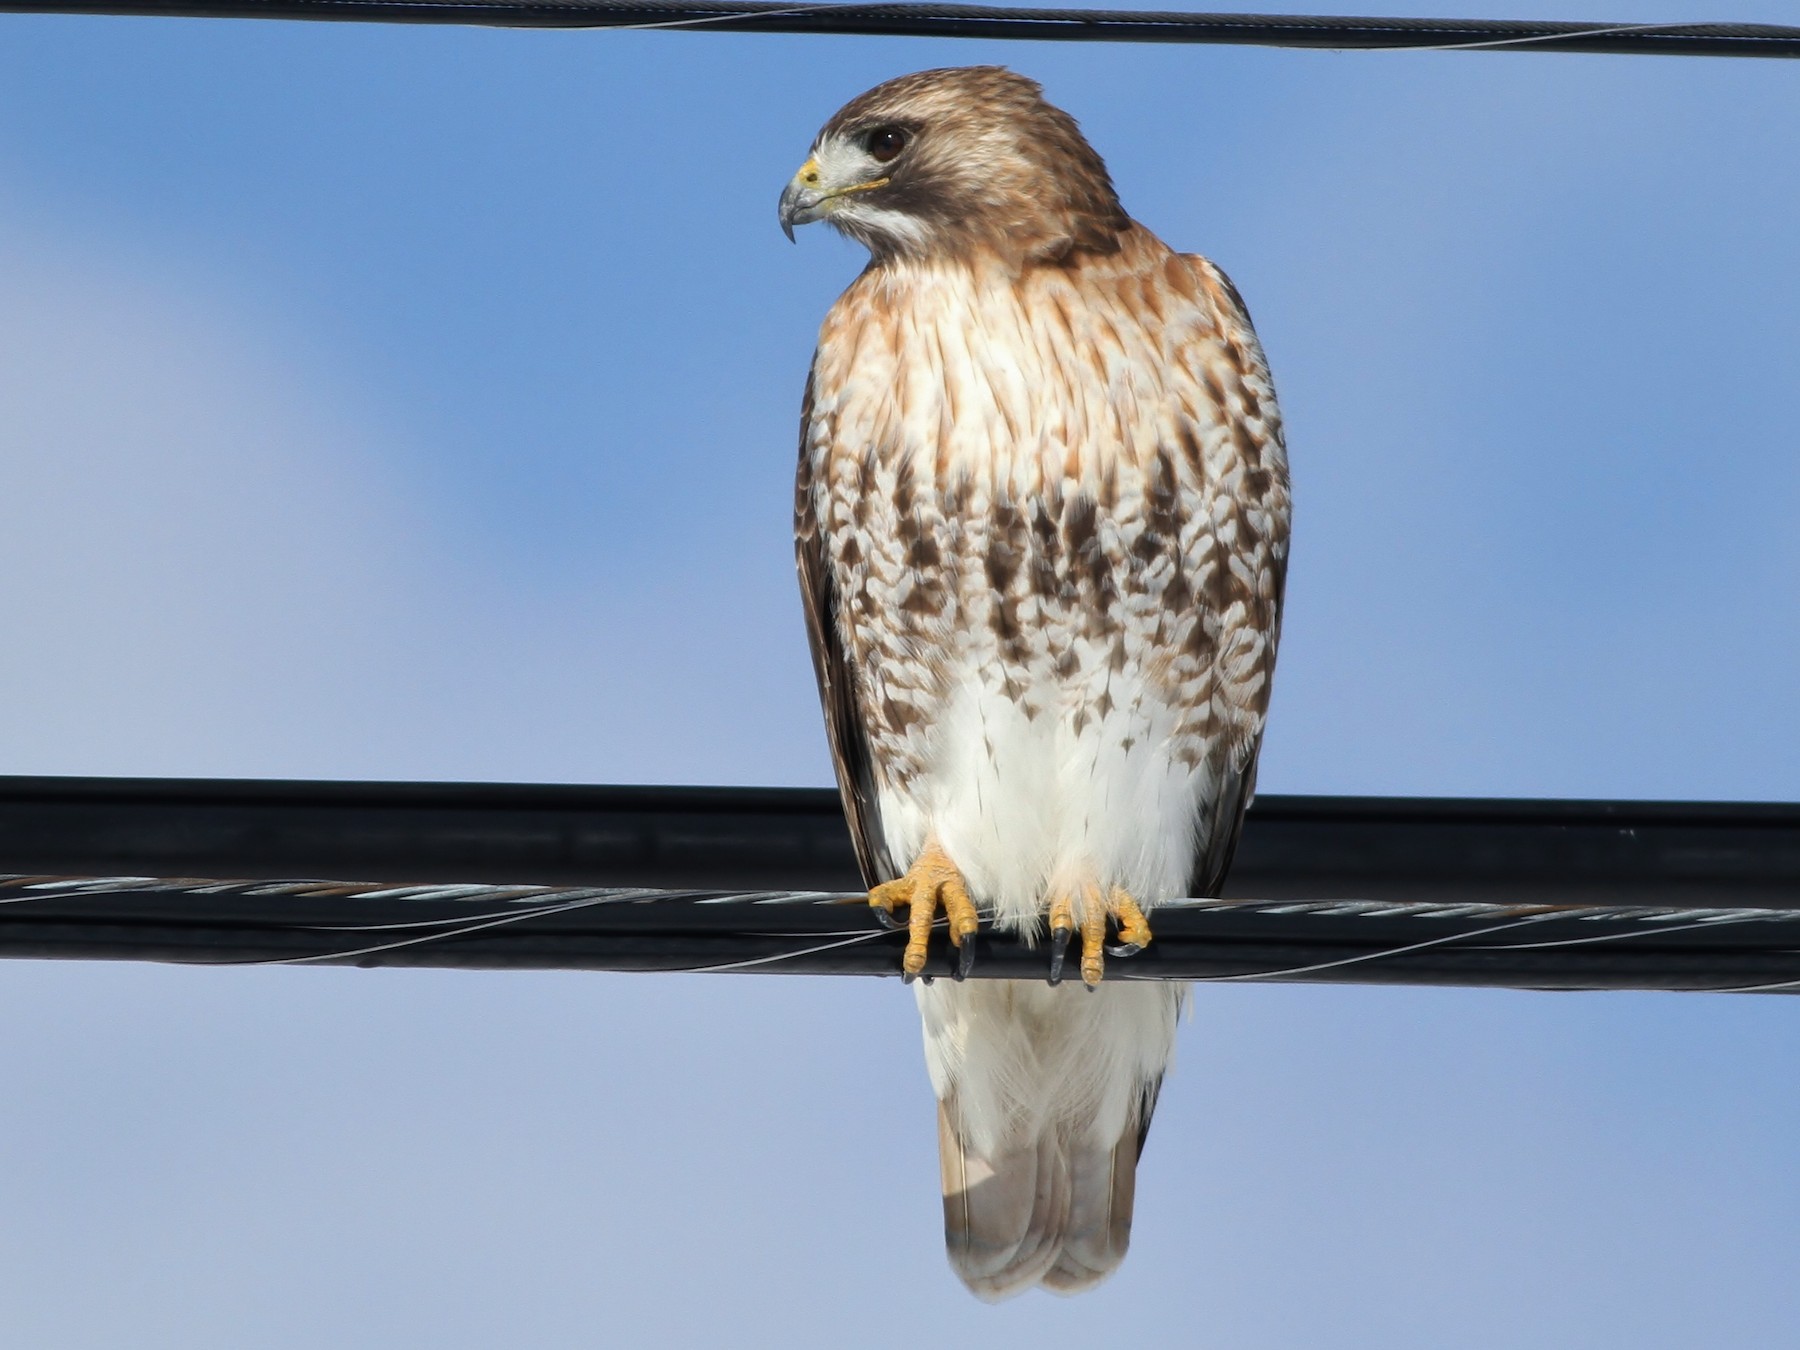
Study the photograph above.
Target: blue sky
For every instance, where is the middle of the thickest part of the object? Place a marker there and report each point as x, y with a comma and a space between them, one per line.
412, 403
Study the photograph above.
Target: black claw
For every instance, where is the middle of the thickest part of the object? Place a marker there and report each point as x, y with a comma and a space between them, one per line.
1124, 949
965, 957
1059, 946
885, 917
907, 977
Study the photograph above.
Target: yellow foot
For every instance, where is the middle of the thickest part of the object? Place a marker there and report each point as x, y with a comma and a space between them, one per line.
1134, 930
932, 880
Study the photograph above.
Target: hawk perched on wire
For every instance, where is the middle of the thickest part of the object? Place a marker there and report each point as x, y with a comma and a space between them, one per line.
1042, 528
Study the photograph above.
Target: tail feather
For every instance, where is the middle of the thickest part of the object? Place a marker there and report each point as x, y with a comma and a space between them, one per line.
1044, 1094
1055, 1212
1048, 1211
1099, 1225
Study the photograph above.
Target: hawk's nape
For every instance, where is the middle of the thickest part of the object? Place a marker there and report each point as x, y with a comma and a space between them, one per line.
1042, 523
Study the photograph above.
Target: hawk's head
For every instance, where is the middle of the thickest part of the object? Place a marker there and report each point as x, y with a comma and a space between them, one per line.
953, 162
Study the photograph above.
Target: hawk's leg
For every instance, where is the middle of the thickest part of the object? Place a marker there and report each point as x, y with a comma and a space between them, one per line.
1134, 930
932, 880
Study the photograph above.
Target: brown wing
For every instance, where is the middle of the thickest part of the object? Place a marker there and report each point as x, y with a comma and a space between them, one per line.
844, 725
1256, 580
1223, 822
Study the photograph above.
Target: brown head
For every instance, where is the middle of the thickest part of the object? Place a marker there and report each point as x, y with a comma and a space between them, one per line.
955, 162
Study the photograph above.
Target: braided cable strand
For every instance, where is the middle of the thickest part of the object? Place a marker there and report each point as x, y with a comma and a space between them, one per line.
1336, 32
306, 922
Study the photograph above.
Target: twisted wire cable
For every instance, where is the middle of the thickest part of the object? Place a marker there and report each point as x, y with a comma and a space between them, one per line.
1335, 32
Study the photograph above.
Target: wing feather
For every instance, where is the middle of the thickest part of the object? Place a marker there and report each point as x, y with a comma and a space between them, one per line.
845, 726
1241, 372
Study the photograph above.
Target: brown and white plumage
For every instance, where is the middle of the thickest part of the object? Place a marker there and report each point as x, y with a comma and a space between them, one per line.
1042, 519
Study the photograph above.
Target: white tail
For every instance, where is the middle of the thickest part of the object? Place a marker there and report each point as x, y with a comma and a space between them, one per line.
1044, 1096
1053, 1212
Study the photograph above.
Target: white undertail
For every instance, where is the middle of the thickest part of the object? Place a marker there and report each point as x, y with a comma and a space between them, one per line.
1044, 1095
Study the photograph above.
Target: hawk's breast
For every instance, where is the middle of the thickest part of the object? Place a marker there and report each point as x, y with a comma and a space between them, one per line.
1052, 508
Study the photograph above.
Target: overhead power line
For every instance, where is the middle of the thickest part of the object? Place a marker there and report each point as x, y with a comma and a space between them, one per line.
1338, 32
1566, 895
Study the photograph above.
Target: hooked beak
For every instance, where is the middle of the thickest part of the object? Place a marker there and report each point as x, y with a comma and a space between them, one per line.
806, 198
802, 200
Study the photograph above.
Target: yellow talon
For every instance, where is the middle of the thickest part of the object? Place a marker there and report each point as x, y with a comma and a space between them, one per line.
1134, 930
1093, 936
931, 881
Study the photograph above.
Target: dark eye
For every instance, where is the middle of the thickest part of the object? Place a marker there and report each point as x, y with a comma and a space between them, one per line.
884, 143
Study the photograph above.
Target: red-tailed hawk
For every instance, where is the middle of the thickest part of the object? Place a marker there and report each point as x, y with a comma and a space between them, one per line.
1042, 527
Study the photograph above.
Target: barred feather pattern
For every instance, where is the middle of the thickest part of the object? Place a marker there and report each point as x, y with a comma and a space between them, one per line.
1054, 509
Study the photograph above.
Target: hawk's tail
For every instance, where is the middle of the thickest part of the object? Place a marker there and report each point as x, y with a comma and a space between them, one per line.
1055, 1211
1045, 1096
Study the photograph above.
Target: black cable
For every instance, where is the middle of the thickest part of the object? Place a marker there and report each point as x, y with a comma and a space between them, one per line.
995, 21
470, 926
1392, 849
1519, 894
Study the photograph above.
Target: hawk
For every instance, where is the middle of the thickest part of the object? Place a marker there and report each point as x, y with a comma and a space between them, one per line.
1041, 523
